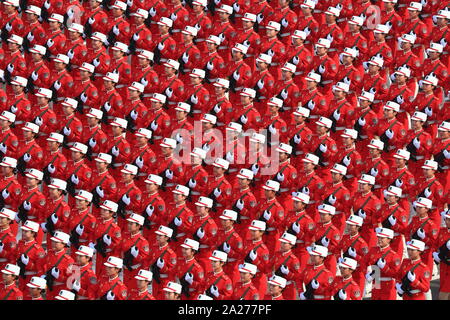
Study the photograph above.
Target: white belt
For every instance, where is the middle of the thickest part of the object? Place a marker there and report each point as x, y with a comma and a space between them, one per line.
172, 102
3, 260
391, 147
299, 152
232, 259
314, 116
142, 174
232, 170
262, 98
298, 73
299, 241
83, 240
196, 111
191, 289
58, 283
420, 157
340, 128
245, 218
212, 79
250, 55
147, 95
222, 47
385, 279
415, 291
163, 275
271, 229
327, 81
337, 212
319, 297
135, 266
199, 40
116, 165
31, 217
20, 121
332, 50
446, 167
98, 74
239, 88
108, 250
389, 37
363, 137
204, 246
340, 20
176, 30
349, 176
30, 273
170, 184
121, 86
157, 137
182, 234
187, 70
284, 189
57, 99
274, 64
325, 163
377, 186
396, 234
376, 101
195, 193
82, 298
219, 205
285, 34
163, 60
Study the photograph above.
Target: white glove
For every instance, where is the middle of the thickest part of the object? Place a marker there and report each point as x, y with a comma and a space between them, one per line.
325, 242
297, 139
295, 60
54, 218
99, 191
217, 2
50, 43
332, 199
342, 294
173, 16
115, 151
400, 99
67, 131
421, 233
307, 31
381, 263
149, 210
134, 251
362, 122
217, 108
107, 106
160, 46
214, 290
392, 220
185, 57
192, 183
240, 204
311, 105
389, 134
352, 252
13, 109
27, 205
152, 11
10, 68
221, 37
47, 4
284, 22
305, 190
38, 121
253, 254
296, 227
436, 257
107, 239
244, 119
30, 36
57, 85
96, 62
70, 13
92, 246
260, 83
189, 278
321, 69
91, 20
336, 115
76, 286
411, 276
84, 98
270, 52
280, 177
197, 26
92, 142
200, 233
169, 174
116, 30
284, 269
133, 114
369, 276
55, 272
44, 226
374, 172
429, 111
206, 147
284, 94
236, 75
272, 129
194, 99
110, 295
217, 192
259, 17
255, 168
154, 125
5, 194
126, 199
236, 7
8, 26
70, 54
267, 215
226, 247
302, 296
446, 154
27, 157
323, 148
169, 92
160, 263
79, 229
315, 284
178, 221
25, 259
209, 65
416, 143
362, 213
144, 82
398, 287
330, 37
3, 147
140, 162
346, 161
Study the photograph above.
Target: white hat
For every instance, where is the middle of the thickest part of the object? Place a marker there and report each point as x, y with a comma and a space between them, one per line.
173, 286
416, 245
165, 22
376, 144
225, 8
444, 126
136, 218
69, 102
228, 215
289, 67
35, 174
38, 49
234, 126
137, 86
325, 43
141, 13
218, 255
158, 97
42, 92
257, 137
204, 296
423, 203
381, 28
377, 61
355, 220
198, 73
312, 158
207, 117
245, 174
204, 202
408, 38
168, 143
220, 82
172, 63
415, 6
8, 162
265, 58
144, 274
109, 205
58, 184
164, 231
180, 189
60, 236
394, 191
87, 67
65, 295
19, 81
286, 148
350, 133
299, 34
326, 208
392, 106
257, 225
33, 9
190, 244
14, 3
119, 46
111, 76
240, 47
271, 185
8, 116
350, 52
183, 106
37, 282
430, 164
288, 238
30, 126
213, 39
130, 169
189, 30
221, 163
75, 27
384, 233
366, 178
430, 79
15, 39
99, 37
308, 4
273, 26
8, 213
248, 268
249, 17
339, 168
199, 153
202, 3
145, 54
56, 137
300, 196
84, 195
356, 20
390, 1
95, 113
248, 92
120, 5
30, 226
324, 122
348, 263
103, 157
153, 178
114, 262
436, 47
402, 154
317, 250
314, 77
366, 95
404, 71
277, 280
342, 86
333, 11
445, 14
302, 112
